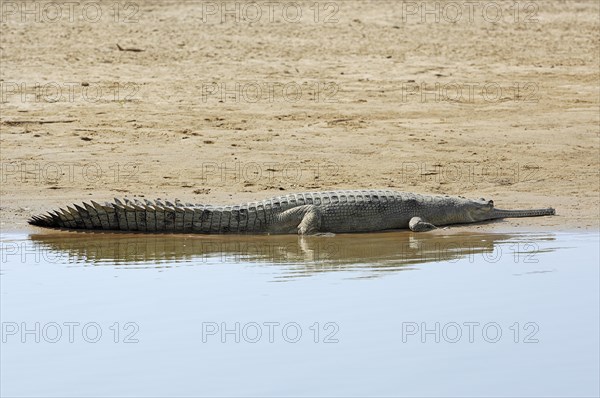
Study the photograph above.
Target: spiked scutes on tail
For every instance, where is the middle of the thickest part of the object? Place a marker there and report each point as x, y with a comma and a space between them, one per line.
126, 215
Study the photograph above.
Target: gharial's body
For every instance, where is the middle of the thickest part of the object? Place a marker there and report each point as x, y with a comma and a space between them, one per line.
303, 213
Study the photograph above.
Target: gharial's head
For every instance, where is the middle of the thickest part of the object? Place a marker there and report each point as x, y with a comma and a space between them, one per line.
481, 209
469, 210
473, 210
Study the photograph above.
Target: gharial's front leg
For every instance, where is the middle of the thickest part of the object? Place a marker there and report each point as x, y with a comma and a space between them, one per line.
416, 224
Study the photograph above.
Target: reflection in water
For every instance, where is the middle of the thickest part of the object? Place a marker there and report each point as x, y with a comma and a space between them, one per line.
303, 256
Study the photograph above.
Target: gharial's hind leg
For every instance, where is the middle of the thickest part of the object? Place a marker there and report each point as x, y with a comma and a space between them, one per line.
311, 222
417, 224
306, 219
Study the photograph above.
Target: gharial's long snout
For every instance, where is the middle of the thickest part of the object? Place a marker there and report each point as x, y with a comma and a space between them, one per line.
499, 213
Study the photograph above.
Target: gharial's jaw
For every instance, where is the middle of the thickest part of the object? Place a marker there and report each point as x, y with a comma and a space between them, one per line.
499, 213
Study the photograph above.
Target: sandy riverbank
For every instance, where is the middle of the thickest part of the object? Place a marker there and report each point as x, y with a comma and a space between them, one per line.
237, 111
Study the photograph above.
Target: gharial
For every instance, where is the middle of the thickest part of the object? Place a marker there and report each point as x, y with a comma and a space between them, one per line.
302, 213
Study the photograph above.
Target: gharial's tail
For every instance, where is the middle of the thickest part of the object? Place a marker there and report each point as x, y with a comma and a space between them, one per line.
126, 215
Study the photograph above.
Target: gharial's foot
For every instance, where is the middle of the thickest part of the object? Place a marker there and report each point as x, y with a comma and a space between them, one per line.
307, 229
417, 224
